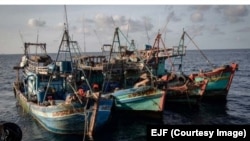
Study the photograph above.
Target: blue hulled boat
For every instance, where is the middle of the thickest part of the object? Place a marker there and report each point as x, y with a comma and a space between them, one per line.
50, 91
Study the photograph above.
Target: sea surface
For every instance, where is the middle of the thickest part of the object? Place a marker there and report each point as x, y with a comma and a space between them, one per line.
125, 127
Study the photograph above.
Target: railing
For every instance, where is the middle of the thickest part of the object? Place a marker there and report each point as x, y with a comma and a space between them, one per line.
36, 68
179, 51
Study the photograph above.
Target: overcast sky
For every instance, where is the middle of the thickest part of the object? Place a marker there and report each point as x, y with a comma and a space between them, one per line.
210, 26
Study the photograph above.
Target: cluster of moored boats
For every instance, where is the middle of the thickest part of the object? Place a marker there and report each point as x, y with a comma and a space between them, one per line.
75, 94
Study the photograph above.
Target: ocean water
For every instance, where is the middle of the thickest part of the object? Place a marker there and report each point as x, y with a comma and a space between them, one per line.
124, 127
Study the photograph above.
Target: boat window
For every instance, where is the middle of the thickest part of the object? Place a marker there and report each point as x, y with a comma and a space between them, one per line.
45, 78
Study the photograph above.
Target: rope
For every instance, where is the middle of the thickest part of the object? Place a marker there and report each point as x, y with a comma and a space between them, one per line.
124, 36
109, 78
85, 125
200, 51
86, 115
169, 59
47, 88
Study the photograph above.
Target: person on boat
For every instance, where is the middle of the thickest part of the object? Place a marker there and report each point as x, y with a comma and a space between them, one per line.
81, 92
70, 98
50, 96
95, 87
51, 92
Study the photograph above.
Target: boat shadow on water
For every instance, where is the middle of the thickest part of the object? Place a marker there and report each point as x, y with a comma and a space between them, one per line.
127, 125
204, 113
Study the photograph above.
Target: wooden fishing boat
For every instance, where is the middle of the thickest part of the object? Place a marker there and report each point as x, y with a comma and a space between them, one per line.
44, 97
123, 67
49, 91
127, 79
91, 67
158, 55
144, 98
179, 88
219, 81
115, 68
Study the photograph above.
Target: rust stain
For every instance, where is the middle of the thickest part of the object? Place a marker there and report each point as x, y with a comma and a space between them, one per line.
68, 112
144, 93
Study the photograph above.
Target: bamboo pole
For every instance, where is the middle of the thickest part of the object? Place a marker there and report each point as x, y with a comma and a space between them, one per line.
94, 115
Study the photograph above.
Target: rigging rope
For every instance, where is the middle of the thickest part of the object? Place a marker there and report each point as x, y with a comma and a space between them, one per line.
86, 114
200, 51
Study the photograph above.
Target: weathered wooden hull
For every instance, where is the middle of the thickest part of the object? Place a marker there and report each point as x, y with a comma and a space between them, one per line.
187, 93
144, 98
183, 97
180, 89
217, 87
66, 124
219, 81
64, 118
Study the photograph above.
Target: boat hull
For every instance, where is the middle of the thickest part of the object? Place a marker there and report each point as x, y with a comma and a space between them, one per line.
216, 87
104, 112
186, 97
219, 82
144, 98
180, 89
64, 118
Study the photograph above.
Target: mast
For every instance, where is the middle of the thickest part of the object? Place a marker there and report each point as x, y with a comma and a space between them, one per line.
178, 52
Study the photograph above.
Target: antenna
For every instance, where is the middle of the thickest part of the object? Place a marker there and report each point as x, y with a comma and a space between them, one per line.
84, 41
113, 21
37, 37
145, 23
66, 18
165, 27
21, 36
128, 27
98, 37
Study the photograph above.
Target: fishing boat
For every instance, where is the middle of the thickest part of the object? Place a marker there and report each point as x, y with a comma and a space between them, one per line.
144, 98
158, 55
179, 88
116, 67
49, 91
219, 78
122, 68
42, 93
132, 82
216, 82
92, 65
219, 81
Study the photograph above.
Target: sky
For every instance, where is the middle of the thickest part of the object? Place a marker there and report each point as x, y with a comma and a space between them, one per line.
211, 26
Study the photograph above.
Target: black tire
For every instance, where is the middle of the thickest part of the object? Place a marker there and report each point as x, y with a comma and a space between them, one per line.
182, 78
10, 132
